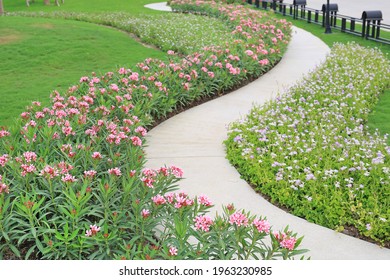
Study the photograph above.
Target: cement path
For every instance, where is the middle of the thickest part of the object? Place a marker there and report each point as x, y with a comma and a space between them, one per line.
193, 140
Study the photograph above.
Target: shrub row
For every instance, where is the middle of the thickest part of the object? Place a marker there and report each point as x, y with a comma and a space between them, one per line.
309, 150
72, 178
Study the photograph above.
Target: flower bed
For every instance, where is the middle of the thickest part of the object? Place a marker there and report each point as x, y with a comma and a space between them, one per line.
73, 182
309, 150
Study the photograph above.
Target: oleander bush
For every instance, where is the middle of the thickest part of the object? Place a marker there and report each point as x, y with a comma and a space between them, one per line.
309, 150
72, 178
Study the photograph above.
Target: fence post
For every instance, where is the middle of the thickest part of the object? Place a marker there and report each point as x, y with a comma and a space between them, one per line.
353, 25
343, 24
265, 5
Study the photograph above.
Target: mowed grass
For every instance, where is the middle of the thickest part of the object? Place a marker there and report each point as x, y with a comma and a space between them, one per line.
380, 117
40, 55
89, 6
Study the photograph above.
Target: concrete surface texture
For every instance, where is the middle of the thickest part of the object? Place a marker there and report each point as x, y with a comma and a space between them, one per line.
193, 140
162, 6
354, 8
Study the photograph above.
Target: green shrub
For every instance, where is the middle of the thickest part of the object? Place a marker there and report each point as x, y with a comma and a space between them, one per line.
309, 149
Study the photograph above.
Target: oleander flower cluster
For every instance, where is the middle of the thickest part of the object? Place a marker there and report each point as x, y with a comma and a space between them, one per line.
72, 179
310, 149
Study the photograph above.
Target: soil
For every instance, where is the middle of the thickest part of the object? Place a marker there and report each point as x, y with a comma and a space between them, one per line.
8, 39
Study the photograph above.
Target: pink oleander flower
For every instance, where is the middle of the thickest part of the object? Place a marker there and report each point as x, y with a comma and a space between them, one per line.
96, 155
249, 52
234, 71
64, 167
122, 71
94, 229
3, 187
134, 76
176, 171
119, 98
264, 62
172, 251
26, 169
239, 219
66, 148
114, 87
68, 130
262, 225
30, 156
4, 133
67, 178
211, 74
186, 86
158, 200
170, 52
115, 171
288, 243
49, 172
39, 115
164, 171
203, 223
141, 130
4, 159
145, 213
90, 174
148, 182
182, 200
170, 197
24, 115
204, 200
136, 141
84, 79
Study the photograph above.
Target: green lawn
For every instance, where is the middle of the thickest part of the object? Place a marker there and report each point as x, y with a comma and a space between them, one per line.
39, 55
88, 6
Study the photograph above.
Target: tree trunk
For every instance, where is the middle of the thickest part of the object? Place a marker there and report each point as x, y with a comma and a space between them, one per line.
28, 3
1, 8
57, 3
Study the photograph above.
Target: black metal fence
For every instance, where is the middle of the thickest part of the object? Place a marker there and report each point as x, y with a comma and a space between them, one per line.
369, 26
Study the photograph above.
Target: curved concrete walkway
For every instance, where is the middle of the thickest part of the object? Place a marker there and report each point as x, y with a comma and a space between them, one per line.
162, 6
193, 140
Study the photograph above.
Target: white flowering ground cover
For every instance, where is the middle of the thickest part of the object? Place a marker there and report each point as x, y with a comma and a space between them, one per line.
309, 149
183, 33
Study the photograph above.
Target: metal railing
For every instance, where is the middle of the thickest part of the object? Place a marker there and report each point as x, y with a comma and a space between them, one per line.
368, 27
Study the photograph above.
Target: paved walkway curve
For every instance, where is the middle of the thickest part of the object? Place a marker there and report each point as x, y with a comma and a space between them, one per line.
193, 140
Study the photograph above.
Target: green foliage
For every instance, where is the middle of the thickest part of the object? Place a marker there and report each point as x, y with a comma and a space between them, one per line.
45, 54
72, 182
310, 151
